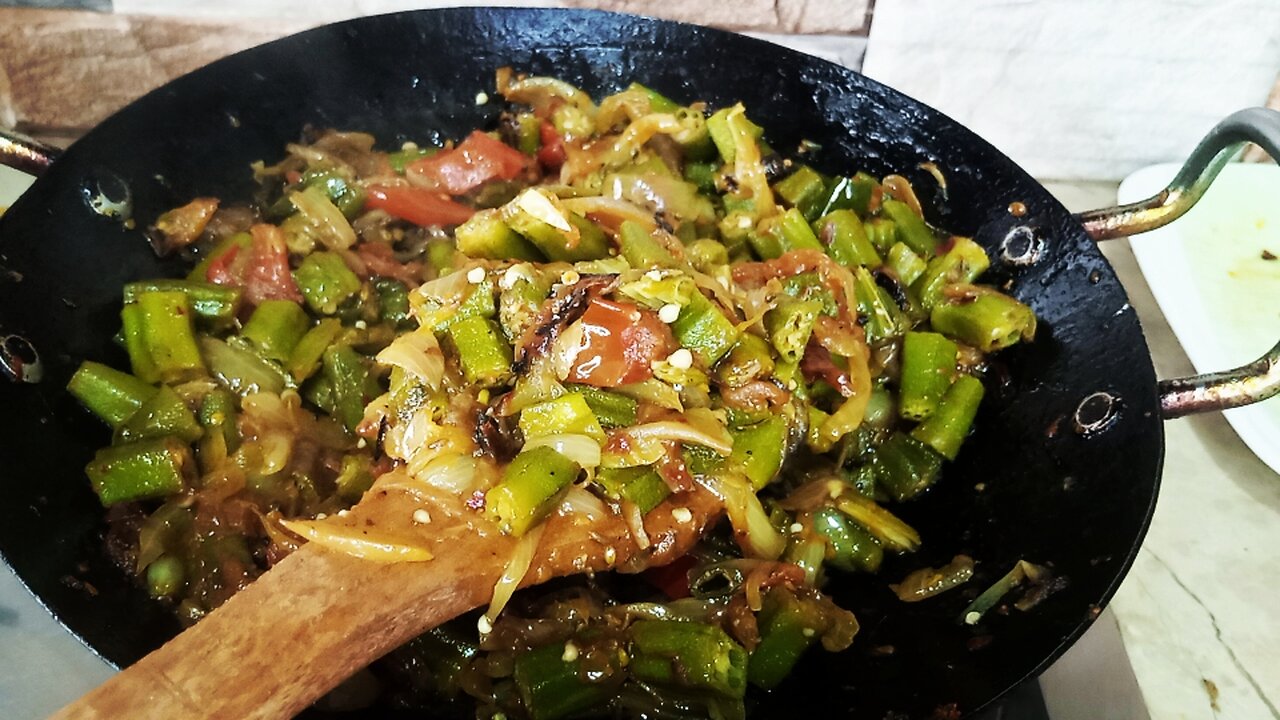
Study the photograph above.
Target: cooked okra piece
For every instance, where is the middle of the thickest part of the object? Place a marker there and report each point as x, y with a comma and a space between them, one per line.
948, 426
758, 450
215, 304
790, 324
142, 470
485, 235
904, 263
569, 414
928, 366
163, 414
911, 228
804, 190
276, 327
845, 239
325, 281
483, 351
905, 466
691, 655
640, 486
611, 409
553, 688
849, 546
963, 262
641, 249
305, 358
529, 484
982, 317
705, 330
169, 335
108, 393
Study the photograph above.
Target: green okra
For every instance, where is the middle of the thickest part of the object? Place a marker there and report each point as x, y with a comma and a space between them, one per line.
485, 235
326, 281
928, 366
845, 239
142, 470
483, 351
705, 330
947, 427
911, 228
641, 486
110, 394
163, 414
215, 304
982, 317
529, 485
905, 466
168, 335
276, 327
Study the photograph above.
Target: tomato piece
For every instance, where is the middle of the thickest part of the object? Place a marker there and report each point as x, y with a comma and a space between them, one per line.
267, 275
551, 154
672, 579
419, 206
381, 261
225, 270
619, 343
477, 160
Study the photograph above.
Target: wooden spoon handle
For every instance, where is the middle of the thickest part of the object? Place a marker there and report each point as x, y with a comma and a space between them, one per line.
319, 616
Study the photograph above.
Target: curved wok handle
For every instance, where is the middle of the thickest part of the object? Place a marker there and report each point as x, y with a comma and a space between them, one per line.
1246, 384
25, 154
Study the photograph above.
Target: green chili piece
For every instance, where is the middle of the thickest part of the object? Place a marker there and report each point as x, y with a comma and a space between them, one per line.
790, 323
528, 488
947, 428
854, 193
804, 190
325, 281
758, 450
351, 383
234, 243
688, 654
963, 262
786, 631
928, 365
982, 317
241, 369
846, 239
163, 414
483, 351
166, 576
705, 330
905, 466
911, 228
276, 327
904, 263
641, 486
567, 414
142, 470
612, 409
216, 304
306, 355
108, 393
849, 546
641, 249
485, 235
393, 303
402, 158
169, 335
553, 688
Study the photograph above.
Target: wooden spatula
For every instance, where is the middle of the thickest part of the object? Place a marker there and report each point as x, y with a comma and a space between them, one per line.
319, 615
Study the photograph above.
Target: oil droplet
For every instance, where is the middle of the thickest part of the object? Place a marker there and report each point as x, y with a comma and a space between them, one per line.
1017, 209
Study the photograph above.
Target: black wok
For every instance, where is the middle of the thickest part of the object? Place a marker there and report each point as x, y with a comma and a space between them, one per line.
1047, 476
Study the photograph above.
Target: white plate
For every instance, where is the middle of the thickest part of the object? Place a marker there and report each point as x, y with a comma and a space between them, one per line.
1206, 270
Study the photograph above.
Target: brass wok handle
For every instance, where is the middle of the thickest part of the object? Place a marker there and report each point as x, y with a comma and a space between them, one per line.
25, 154
1246, 384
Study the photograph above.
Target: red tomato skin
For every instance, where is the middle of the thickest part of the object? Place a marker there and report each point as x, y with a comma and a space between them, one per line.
419, 206
619, 343
267, 277
551, 154
475, 161
672, 579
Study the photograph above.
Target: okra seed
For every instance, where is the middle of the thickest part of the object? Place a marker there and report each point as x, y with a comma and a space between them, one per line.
422, 517
682, 515
570, 652
570, 277
669, 313
681, 359
475, 275
482, 98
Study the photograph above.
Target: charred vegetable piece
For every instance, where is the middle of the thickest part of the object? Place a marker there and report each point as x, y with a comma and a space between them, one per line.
528, 487
143, 470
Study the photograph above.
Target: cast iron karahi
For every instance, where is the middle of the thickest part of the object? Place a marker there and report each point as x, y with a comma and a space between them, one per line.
1031, 483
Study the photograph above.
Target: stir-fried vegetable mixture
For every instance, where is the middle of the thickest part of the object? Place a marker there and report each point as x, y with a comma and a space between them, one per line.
590, 309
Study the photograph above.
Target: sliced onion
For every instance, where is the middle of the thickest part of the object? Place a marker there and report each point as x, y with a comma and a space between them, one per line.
356, 543
579, 502
566, 348
635, 523
639, 132
751, 527
516, 568
436, 300
330, 225
610, 212
653, 391
581, 449
538, 91
721, 442
417, 353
